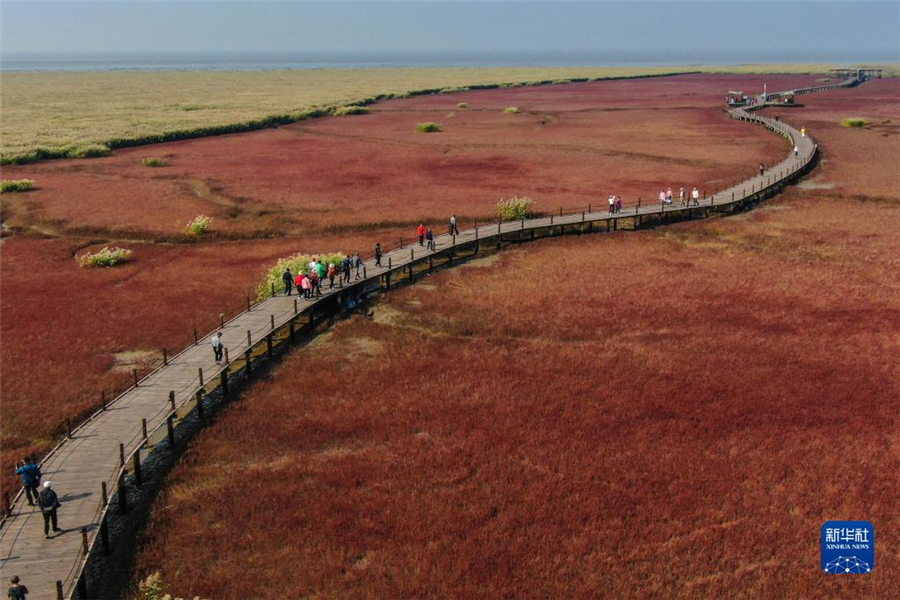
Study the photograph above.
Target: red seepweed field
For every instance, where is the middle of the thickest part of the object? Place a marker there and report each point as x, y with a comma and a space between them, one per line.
668, 413
334, 184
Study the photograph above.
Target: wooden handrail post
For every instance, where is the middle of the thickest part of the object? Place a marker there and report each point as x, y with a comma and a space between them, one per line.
195, 336
121, 454
165, 357
200, 375
248, 303
391, 263
7, 505
172, 398
412, 255
551, 219
200, 402
560, 211
103, 493
249, 340
144, 429
364, 272
135, 375
221, 319
247, 359
273, 289
69, 428
170, 427
103, 400
226, 356
296, 308
269, 345
272, 321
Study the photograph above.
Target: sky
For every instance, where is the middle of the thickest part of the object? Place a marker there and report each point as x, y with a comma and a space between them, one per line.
786, 28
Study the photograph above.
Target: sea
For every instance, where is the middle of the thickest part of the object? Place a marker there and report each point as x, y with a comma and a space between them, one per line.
265, 61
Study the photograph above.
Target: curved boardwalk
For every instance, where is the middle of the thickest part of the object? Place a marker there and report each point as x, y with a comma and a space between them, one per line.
53, 568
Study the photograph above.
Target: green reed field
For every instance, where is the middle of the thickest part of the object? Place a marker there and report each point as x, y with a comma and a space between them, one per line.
57, 114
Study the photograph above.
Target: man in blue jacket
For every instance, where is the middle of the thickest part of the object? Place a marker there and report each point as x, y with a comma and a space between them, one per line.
31, 479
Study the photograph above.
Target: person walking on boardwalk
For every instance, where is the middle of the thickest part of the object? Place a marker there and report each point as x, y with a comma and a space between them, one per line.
217, 346
669, 196
695, 196
304, 285
612, 203
429, 238
288, 279
314, 283
618, 204
762, 168
17, 591
31, 479
681, 197
803, 132
49, 502
454, 230
420, 231
345, 267
332, 273
378, 254
662, 197
796, 151
356, 263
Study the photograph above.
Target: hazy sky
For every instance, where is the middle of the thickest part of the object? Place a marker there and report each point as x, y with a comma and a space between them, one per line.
789, 27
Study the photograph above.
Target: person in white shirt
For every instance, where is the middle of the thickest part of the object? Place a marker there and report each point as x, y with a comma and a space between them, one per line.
217, 346
695, 195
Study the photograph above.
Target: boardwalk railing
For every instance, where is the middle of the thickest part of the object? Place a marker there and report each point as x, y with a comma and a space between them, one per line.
254, 331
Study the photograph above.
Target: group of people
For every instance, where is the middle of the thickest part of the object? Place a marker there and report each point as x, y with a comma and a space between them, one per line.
615, 204
39, 493
667, 198
427, 235
309, 284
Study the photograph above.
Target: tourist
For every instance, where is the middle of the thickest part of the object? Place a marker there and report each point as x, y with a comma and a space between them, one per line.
421, 233
454, 230
662, 197
669, 196
315, 286
681, 197
762, 168
49, 502
31, 479
345, 267
803, 132
288, 279
356, 263
612, 203
378, 254
305, 285
618, 204
217, 346
312, 263
17, 591
695, 196
796, 150
429, 237
332, 272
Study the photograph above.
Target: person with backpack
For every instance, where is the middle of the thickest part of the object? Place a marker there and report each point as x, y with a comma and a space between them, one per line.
345, 268
217, 346
49, 502
378, 254
356, 263
314, 283
421, 233
17, 591
31, 479
429, 237
288, 279
332, 273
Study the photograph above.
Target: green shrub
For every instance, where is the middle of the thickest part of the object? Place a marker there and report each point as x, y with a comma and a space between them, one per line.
107, 257
298, 263
350, 110
514, 209
15, 185
452, 90
428, 127
90, 151
853, 122
152, 587
154, 162
462, 105
511, 110
199, 225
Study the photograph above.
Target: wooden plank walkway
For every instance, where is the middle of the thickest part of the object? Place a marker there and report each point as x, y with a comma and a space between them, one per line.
78, 465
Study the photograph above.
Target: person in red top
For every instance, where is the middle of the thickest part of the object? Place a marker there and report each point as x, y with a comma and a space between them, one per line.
421, 232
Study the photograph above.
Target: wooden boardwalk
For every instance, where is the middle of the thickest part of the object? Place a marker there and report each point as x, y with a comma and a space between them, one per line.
93, 455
